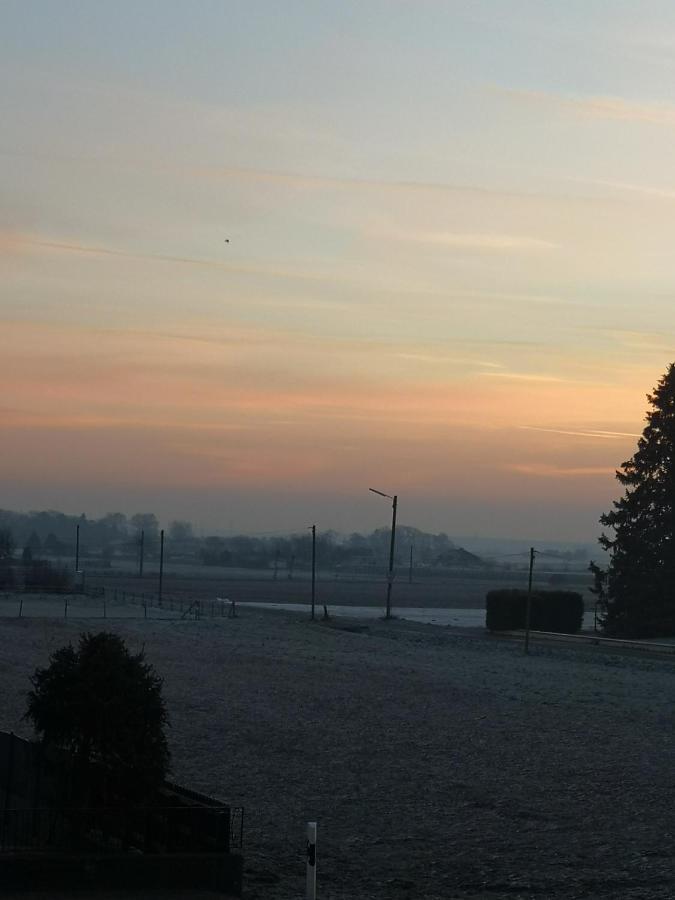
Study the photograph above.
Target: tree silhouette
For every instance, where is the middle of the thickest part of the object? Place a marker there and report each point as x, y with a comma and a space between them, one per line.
103, 705
636, 592
6, 545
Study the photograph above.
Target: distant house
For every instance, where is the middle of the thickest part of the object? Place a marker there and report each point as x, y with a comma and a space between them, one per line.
458, 558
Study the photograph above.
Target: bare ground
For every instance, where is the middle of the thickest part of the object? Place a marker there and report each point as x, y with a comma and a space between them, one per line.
437, 765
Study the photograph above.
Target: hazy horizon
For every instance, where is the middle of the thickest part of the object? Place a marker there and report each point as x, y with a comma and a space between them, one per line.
257, 259
294, 525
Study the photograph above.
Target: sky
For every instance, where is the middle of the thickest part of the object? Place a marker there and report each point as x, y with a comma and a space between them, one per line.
449, 276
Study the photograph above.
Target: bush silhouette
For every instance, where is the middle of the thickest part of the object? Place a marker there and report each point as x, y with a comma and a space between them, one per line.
104, 706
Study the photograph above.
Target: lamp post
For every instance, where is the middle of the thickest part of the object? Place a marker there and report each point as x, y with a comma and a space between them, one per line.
390, 575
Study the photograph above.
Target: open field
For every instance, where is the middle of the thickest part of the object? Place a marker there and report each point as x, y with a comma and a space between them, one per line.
437, 765
460, 589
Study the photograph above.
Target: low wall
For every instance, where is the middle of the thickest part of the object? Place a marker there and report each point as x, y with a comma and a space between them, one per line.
62, 871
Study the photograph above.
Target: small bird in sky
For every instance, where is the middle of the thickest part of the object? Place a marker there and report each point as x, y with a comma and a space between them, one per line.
227, 240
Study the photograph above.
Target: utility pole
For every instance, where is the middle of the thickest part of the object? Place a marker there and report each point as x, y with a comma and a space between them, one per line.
390, 574
140, 559
313, 568
410, 567
161, 564
77, 548
528, 606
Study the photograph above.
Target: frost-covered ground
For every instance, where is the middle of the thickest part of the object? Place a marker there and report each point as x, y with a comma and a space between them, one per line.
437, 765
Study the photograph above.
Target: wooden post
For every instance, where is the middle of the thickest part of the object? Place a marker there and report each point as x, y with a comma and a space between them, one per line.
311, 861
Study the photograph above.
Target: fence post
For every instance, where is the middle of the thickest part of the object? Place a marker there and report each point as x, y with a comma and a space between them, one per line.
311, 861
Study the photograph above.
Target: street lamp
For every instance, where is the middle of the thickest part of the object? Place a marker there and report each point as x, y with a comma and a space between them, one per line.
390, 576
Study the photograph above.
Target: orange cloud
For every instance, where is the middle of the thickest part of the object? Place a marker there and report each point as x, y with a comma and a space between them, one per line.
260, 408
599, 107
542, 470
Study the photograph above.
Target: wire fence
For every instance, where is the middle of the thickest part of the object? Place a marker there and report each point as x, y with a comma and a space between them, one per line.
111, 603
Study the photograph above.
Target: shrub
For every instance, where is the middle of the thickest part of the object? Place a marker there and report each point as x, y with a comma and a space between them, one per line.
104, 706
505, 609
560, 611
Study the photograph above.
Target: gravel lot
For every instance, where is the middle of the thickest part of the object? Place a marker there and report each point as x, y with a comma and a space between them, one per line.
437, 765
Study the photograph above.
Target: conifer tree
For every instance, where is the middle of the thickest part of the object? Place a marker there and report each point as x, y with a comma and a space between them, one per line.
636, 592
104, 705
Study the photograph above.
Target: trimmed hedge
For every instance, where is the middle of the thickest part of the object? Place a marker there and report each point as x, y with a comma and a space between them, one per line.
561, 611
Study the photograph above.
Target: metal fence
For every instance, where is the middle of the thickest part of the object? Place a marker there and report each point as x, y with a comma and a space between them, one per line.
177, 829
109, 603
35, 811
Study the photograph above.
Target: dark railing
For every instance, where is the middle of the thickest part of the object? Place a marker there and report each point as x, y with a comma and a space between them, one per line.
175, 829
35, 808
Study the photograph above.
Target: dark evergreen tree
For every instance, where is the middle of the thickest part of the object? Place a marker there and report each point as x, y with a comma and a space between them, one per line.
6, 545
6, 558
105, 706
636, 592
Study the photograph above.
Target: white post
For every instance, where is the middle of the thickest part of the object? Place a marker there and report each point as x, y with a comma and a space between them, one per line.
311, 861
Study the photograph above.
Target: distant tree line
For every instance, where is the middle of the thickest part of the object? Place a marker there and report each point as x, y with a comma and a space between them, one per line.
35, 574
34, 537
333, 549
